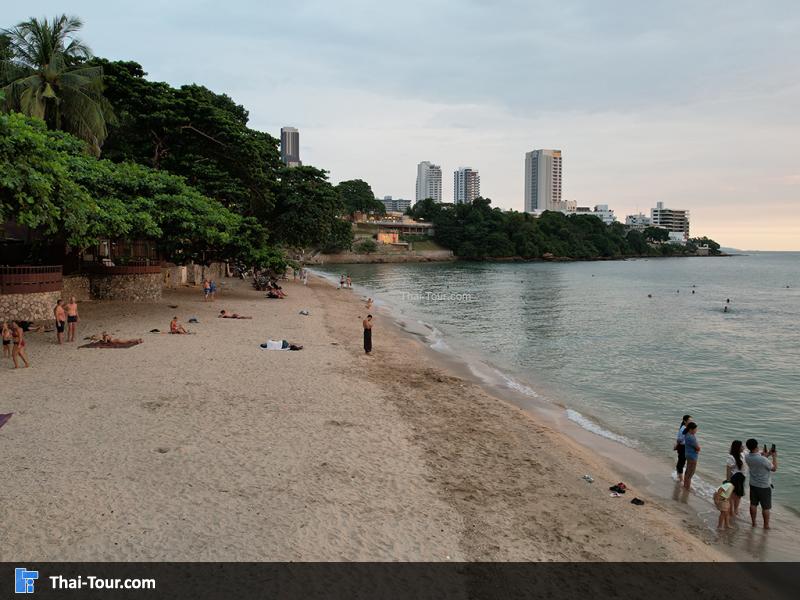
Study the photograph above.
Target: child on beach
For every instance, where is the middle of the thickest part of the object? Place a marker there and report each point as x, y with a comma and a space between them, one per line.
6, 333
722, 502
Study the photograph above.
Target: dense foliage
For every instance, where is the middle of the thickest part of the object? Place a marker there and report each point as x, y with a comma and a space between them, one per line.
48, 182
357, 196
44, 74
478, 231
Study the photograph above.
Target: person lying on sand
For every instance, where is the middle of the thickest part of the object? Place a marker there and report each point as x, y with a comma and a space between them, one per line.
280, 345
224, 314
106, 338
175, 327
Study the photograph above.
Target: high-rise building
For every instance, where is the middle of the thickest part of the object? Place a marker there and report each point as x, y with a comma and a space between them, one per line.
672, 219
466, 185
542, 180
429, 181
290, 146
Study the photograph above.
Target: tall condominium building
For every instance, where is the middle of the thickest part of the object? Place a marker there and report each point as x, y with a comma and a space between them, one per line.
671, 219
466, 185
429, 181
542, 180
290, 146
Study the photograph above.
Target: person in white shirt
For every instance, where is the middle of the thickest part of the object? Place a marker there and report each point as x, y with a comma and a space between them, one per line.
735, 473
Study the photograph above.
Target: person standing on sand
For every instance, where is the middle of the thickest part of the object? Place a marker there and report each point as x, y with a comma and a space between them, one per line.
680, 446
72, 318
6, 334
692, 454
761, 469
18, 345
368, 334
734, 472
212, 288
206, 289
61, 320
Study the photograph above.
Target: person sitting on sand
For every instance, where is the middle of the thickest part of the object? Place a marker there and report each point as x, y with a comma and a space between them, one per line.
6, 334
223, 314
369, 303
175, 327
18, 345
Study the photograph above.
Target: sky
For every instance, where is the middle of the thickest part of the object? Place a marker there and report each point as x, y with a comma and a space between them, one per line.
694, 104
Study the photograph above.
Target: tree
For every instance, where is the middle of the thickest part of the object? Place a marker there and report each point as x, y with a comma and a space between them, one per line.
193, 132
306, 208
357, 196
656, 234
47, 78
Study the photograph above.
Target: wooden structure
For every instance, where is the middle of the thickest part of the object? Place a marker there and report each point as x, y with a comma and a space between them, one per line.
28, 279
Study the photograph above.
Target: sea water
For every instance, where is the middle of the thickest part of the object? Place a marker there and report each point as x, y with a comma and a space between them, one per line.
628, 347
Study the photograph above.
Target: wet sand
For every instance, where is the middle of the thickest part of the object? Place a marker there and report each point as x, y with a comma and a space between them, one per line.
206, 447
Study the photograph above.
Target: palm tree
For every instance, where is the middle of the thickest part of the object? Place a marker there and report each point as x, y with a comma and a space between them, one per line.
45, 75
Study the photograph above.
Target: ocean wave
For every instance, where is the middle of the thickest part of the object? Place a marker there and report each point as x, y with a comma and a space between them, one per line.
517, 386
589, 425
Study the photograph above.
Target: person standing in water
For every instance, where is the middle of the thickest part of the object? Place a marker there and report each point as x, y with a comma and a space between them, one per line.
72, 318
680, 447
692, 454
368, 334
761, 466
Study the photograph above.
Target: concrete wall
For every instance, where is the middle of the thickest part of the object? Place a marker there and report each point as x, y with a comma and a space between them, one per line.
398, 257
178, 275
28, 307
128, 288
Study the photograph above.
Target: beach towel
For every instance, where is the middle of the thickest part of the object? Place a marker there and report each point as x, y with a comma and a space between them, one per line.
101, 344
4, 418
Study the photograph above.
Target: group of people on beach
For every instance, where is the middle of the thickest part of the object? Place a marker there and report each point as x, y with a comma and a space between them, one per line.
13, 332
757, 463
301, 273
345, 281
14, 343
209, 290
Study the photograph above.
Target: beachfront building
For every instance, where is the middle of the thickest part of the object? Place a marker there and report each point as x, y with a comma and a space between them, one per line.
639, 222
672, 219
466, 185
542, 180
601, 211
429, 181
290, 146
396, 205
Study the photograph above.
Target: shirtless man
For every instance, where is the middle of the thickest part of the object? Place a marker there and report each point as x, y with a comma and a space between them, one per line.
61, 320
175, 327
107, 338
6, 332
72, 318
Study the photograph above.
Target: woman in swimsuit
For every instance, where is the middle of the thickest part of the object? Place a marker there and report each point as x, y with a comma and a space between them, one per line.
6, 340
18, 349
72, 318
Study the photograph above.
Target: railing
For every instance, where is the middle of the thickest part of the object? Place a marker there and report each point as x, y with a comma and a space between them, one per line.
144, 267
29, 280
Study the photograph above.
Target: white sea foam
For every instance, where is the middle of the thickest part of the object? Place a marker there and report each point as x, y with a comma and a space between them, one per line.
589, 425
517, 386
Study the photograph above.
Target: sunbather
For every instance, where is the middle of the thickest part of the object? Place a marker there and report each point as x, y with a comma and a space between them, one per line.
175, 327
106, 338
224, 314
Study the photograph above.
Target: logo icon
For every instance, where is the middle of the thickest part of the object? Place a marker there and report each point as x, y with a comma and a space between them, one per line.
24, 579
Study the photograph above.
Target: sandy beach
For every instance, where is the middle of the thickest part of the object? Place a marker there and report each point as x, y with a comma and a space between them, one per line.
206, 447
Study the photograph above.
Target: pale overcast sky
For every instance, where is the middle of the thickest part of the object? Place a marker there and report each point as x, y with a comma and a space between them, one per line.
691, 103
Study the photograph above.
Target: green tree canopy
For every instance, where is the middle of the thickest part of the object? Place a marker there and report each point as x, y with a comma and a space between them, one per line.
357, 196
44, 73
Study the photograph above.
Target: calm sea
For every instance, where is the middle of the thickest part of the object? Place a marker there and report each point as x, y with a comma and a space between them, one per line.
626, 347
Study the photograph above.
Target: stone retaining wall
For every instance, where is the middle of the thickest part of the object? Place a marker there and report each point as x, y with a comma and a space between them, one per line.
28, 307
128, 288
78, 286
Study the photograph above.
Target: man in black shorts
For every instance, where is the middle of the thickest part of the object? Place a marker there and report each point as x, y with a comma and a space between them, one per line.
761, 469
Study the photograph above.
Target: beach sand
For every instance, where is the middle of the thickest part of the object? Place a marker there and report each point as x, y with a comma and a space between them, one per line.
206, 447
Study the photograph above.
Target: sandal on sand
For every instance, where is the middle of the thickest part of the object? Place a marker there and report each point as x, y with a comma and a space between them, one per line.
588, 478
614, 495
637, 502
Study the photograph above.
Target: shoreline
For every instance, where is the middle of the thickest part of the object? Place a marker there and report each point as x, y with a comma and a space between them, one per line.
206, 447
694, 510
